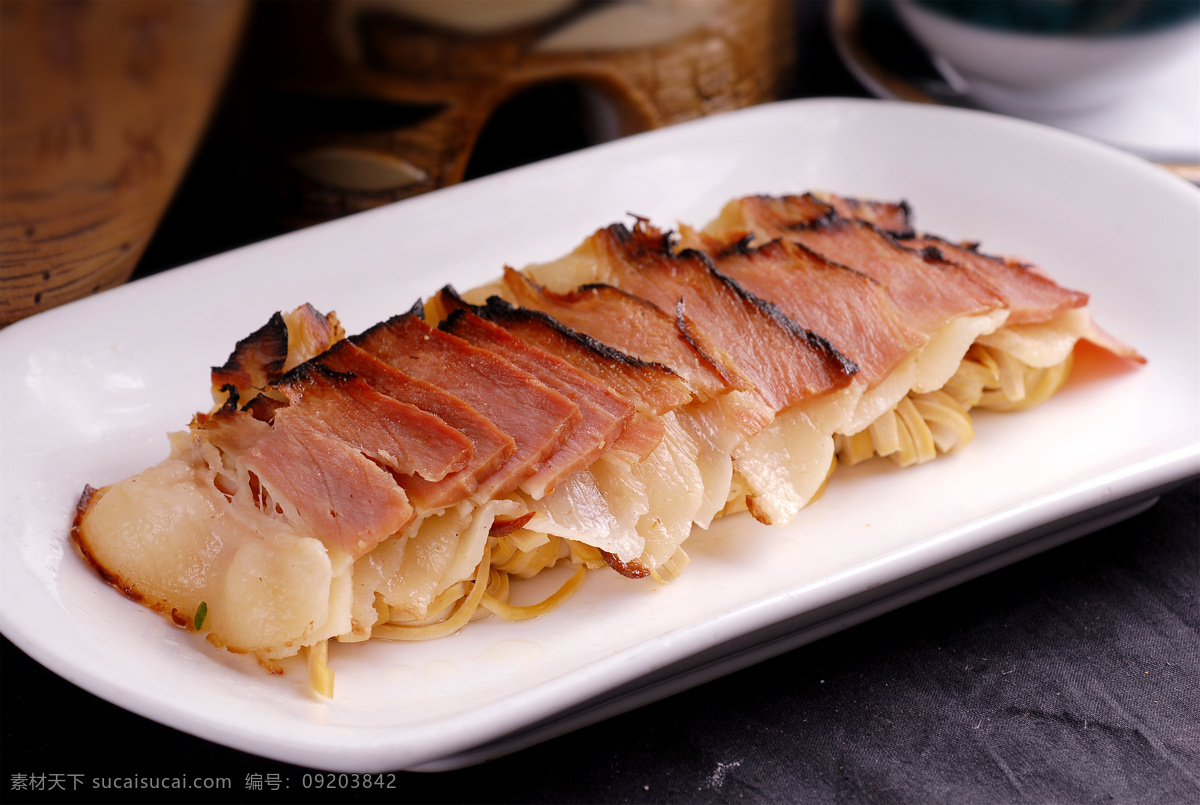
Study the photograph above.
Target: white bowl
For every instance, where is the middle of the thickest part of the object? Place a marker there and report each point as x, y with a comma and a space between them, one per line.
1027, 74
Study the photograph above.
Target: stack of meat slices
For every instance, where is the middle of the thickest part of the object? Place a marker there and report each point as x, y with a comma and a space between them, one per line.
590, 412
936, 327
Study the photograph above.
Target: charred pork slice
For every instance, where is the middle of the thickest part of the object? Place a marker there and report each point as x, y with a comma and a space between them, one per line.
928, 290
652, 388
766, 216
848, 307
490, 447
634, 326
397, 435
256, 360
326, 487
307, 464
285, 341
950, 304
604, 414
1031, 297
538, 418
787, 365
770, 215
894, 218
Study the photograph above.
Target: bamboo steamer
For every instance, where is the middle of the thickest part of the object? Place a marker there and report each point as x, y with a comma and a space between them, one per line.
101, 107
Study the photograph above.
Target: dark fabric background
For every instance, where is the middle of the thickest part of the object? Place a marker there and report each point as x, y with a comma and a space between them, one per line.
1071, 677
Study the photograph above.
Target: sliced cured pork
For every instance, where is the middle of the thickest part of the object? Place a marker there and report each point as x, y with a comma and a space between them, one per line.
588, 412
786, 364
946, 303
977, 354
650, 489
1028, 294
490, 446
284, 342
394, 434
635, 326
603, 414
850, 308
653, 388
538, 418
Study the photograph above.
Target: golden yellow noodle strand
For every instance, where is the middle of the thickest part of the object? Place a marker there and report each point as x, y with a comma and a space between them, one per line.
964, 390
529, 563
543, 557
320, 675
526, 540
906, 455
511, 613
1012, 376
922, 425
456, 621
437, 609
948, 421
587, 555
503, 551
885, 434
1040, 384
984, 357
977, 372
919, 436
499, 586
670, 569
854, 449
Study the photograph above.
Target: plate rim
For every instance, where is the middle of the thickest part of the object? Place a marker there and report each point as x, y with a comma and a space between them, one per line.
1182, 463
845, 18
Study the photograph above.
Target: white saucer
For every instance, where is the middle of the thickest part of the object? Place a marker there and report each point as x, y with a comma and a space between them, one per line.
1158, 120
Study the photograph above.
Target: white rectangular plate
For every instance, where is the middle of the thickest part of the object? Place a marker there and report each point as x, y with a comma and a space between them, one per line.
90, 390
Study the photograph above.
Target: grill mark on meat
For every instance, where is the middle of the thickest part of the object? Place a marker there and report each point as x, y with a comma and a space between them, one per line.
1030, 296
632, 325
786, 363
326, 487
850, 307
399, 436
486, 382
604, 415
491, 447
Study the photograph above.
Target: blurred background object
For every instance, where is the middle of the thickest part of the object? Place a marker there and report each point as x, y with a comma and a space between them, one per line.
101, 107
1031, 57
1124, 72
350, 104
1090, 19
339, 106
336, 106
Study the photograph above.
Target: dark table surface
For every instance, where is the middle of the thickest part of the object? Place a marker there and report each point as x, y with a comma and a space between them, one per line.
1072, 676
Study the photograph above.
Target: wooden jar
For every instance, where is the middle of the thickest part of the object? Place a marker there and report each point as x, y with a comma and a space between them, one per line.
102, 103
